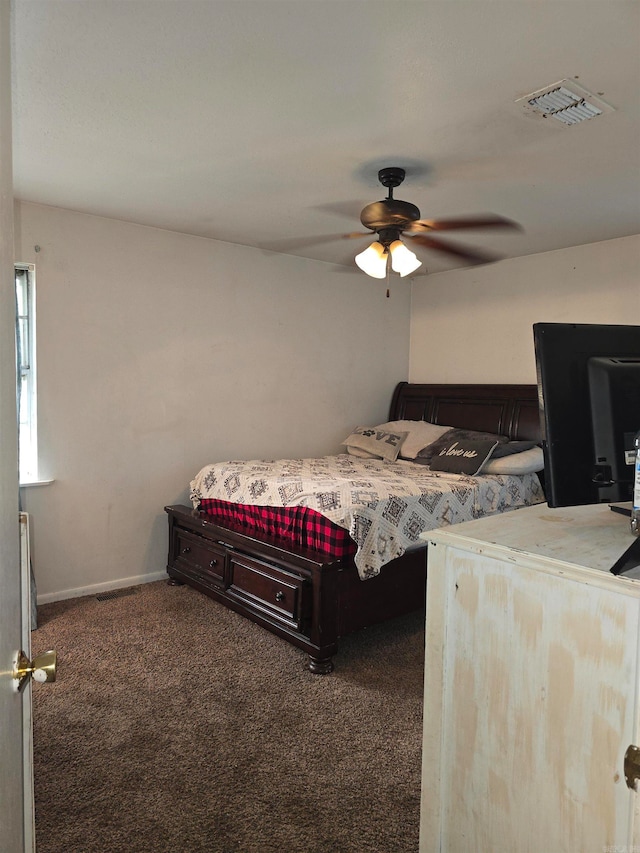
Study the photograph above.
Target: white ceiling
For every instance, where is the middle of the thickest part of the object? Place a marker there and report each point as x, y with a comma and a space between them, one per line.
261, 122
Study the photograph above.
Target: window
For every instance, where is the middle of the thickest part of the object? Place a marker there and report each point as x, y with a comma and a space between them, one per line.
26, 371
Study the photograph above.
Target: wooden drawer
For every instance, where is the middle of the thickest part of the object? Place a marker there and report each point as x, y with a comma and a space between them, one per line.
199, 557
272, 590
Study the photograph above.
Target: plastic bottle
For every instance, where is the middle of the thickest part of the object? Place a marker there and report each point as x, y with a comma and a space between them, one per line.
635, 507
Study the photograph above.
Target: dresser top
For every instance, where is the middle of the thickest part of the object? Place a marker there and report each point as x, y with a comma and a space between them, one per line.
585, 537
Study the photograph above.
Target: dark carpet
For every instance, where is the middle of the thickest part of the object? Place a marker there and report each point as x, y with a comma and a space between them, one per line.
177, 726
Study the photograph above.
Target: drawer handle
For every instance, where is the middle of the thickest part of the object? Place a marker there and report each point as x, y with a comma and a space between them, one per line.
213, 563
279, 596
186, 550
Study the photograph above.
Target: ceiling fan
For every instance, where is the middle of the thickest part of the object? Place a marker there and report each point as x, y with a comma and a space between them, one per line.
391, 218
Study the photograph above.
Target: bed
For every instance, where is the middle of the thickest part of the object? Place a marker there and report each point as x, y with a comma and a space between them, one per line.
313, 550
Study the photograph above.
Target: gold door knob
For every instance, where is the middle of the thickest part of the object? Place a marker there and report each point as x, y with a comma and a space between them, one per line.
42, 668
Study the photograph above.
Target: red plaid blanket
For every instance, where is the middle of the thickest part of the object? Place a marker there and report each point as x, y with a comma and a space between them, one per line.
299, 525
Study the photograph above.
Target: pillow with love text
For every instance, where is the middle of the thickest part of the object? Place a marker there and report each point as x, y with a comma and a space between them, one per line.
375, 442
463, 456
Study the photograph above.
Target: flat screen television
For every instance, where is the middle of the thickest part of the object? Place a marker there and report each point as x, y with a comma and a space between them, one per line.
589, 395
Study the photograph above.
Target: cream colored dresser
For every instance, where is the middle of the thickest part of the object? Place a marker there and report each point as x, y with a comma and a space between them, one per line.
532, 685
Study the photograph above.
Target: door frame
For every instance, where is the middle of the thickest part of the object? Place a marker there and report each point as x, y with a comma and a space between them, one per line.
16, 782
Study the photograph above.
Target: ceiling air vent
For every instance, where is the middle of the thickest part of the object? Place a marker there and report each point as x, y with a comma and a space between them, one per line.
565, 101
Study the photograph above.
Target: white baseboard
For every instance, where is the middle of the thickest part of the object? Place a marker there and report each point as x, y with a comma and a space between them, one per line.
94, 589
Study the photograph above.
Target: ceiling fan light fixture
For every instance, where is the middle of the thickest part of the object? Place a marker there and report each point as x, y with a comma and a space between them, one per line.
373, 261
391, 218
403, 260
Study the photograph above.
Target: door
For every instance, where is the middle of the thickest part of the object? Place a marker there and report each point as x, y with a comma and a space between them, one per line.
16, 810
16, 757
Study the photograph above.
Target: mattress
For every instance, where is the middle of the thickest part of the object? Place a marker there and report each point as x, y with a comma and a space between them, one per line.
383, 506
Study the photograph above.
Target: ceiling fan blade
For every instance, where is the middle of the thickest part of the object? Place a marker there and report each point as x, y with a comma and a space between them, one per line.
482, 221
355, 234
303, 242
467, 254
349, 209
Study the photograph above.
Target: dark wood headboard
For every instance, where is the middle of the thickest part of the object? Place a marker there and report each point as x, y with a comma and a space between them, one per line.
504, 409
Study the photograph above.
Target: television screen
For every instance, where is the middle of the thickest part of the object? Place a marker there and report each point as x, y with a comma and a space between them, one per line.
589, 396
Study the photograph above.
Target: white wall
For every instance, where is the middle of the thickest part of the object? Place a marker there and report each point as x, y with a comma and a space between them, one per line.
158, 353
475, 325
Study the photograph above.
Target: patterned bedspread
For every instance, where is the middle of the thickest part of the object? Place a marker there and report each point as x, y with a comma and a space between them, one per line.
384, 505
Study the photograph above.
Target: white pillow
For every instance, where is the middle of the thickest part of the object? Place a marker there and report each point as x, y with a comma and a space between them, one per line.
362, 454
384, 444
420, 434
526, 462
